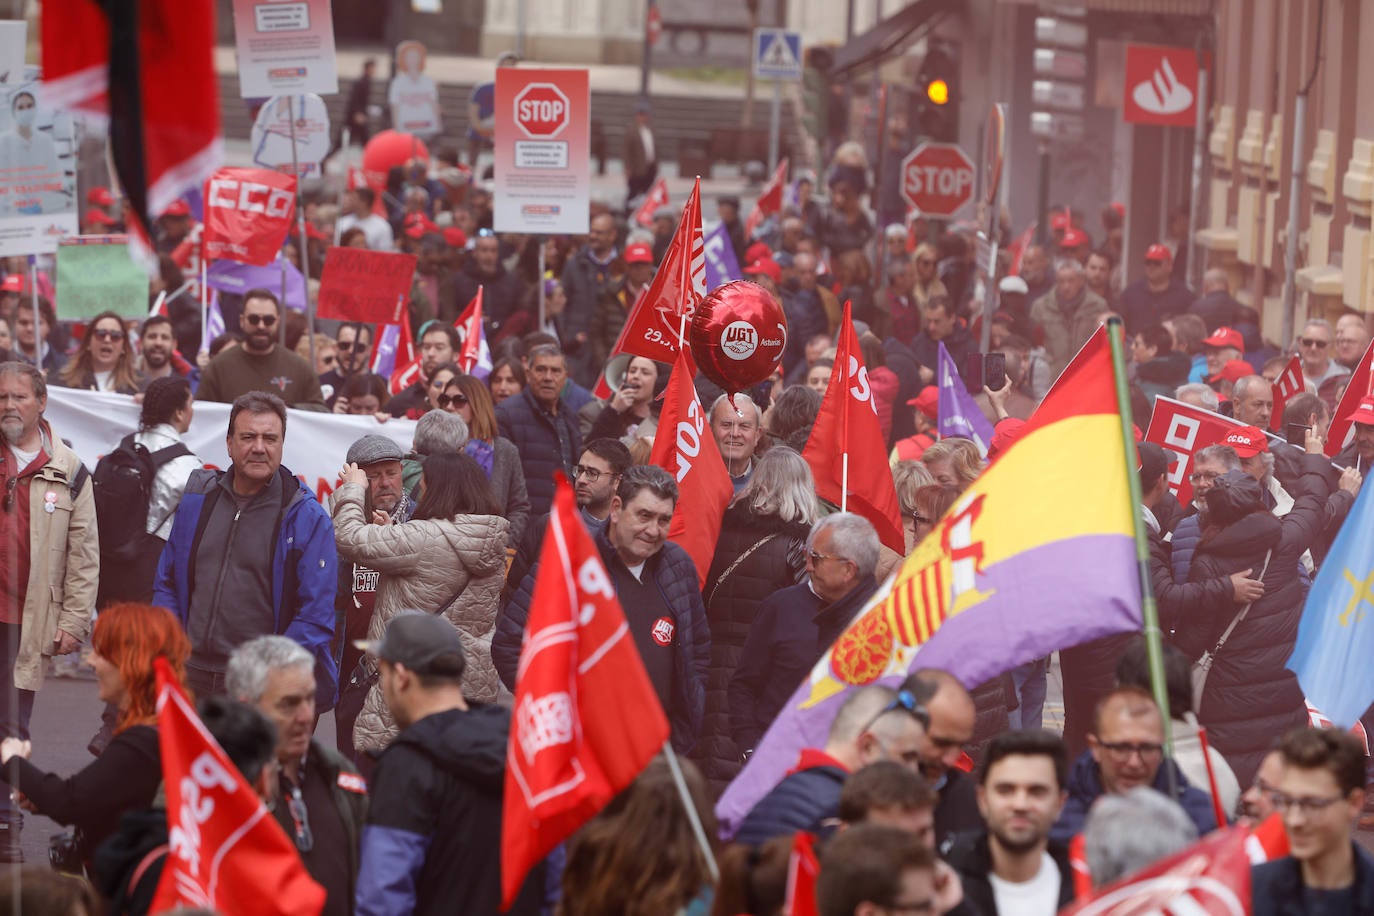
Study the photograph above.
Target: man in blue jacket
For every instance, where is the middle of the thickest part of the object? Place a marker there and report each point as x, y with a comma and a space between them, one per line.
542, 425
251, 553
656, 583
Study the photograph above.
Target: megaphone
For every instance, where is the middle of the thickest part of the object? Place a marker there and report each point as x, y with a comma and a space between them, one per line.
614, 373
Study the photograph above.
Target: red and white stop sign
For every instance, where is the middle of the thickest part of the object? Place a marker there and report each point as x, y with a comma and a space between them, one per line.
542, 111
937, 179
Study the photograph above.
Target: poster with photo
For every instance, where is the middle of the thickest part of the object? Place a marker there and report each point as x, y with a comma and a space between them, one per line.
38, 158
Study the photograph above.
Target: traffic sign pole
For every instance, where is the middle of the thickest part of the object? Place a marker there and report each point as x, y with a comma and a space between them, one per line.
777, 57
774, 127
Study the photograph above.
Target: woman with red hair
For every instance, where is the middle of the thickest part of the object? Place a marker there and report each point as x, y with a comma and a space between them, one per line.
126, 641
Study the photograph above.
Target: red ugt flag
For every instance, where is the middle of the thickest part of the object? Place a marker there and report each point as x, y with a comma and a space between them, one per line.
586, 720
247, 214
1359, 387
657, 197
407, 371
685, 447
225, 853
847, 425
473, 357
651, 330
769, 202
1289, 383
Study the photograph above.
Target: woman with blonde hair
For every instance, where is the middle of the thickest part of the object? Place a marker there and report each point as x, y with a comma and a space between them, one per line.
105, 360
954, 462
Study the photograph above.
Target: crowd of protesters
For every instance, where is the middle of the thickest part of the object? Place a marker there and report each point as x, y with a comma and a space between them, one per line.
930, 796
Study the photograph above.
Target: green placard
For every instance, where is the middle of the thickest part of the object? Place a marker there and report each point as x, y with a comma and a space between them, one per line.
96, 274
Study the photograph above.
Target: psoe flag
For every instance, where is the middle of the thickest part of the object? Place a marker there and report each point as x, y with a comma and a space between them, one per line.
1037, 555
1336, 632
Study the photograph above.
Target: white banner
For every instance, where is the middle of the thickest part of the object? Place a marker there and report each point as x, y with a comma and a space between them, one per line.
316, 443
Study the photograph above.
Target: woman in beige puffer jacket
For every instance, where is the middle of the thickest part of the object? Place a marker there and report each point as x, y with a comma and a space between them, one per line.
450, 558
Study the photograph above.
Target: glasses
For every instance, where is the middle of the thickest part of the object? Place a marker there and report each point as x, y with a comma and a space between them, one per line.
1312, 342
817, 557
905, 700
1122, 750
348, 346
107, 334
1307, 804
456, 400
265, 321
300, 819
485, 234
592, 475
1198, 477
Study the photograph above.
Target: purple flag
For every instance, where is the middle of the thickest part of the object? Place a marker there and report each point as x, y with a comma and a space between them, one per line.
233, 277
721, 266
384, 357
959, 412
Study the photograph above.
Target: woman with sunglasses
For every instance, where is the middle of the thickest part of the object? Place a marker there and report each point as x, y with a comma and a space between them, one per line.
105, 359
467, 397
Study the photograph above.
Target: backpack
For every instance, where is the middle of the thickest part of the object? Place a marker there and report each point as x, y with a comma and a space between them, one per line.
123, 482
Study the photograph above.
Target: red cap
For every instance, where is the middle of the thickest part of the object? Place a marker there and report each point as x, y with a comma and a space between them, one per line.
415, 230
177, 208
1248, 441
757, 252
1004, 436
1233, 371
1363, 414
455, 237
99, 217
1120, 209
423, 222
1225, 337
928, 401
1158, 252
766, 266
639, 253
14, 283
100, 196
1073, 238
1060, 220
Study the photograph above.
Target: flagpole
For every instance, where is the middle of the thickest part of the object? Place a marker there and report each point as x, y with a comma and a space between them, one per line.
1154, 642
205, 304
305, 251
37, 315
844, 417
692, 817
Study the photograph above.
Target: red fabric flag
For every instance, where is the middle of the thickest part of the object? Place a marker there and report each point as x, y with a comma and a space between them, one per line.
407, 371
1359, 387
1268, 841
685, 447
1185, 430
803, 868
225, 851
1210, 877
586, 720
1289, 383
652, 328
164, 120
657, 197
848, 425
469, 325
247, 214
769, 202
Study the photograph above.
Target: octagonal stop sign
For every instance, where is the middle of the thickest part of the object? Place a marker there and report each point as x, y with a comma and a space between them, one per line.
937, 179
542, 111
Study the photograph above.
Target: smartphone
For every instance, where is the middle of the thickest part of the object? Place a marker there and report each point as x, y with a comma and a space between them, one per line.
1297, 434
973, 373
995, 370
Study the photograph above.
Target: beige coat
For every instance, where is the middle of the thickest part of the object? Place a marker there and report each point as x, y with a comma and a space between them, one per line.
423, 565
64, 566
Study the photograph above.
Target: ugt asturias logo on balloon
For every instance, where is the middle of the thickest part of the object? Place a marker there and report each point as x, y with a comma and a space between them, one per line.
739, 340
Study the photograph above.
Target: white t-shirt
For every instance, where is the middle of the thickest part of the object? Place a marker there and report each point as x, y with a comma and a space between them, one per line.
23, 459
102, 380
376, 230
1037, 897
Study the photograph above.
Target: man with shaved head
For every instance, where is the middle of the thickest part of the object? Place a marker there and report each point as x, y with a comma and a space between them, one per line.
1252, 400
952, 715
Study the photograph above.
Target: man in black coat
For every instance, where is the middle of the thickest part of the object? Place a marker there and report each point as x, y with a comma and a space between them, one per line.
542, 426
502, 292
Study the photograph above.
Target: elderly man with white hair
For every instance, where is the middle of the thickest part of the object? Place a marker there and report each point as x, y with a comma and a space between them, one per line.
1314, 348
738, 430
322, 802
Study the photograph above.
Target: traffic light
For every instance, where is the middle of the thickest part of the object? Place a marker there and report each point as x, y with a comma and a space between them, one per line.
937, 92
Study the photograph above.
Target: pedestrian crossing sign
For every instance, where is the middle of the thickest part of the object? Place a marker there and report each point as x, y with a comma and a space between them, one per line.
777, 54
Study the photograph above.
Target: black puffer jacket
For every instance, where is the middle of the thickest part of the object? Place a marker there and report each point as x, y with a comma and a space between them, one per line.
1250, 696
546, 443
731, 601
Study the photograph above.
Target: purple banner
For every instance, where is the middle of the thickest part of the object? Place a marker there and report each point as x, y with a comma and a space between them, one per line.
721, 266
236, 278
959, 412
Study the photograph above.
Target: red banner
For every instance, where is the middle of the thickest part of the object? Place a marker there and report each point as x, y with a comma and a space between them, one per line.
769, 202
1288, 384
247, 214
586, 720
362, 285
1185, 430
1209, 878
678, 287
226, 853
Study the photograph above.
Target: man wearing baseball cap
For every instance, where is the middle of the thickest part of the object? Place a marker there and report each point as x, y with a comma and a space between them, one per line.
925, 413
1155, 296
1359, 453
1221, 348
438, 787
615, 305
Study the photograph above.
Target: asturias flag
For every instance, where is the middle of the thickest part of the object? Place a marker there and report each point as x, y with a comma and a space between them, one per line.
1038, 554
959, 412
1336, 632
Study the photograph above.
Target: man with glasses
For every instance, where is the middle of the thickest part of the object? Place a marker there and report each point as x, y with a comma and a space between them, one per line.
874, 723
1352, 339
258, 364
1155, 296
439, 345
952, 717
1320, 795
354, 346
1208, 464
1126, 751
321, 799
1314, 349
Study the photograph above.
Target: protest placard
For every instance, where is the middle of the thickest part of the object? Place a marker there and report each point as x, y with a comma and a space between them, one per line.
285, 47
286, 119
96, 274
543, 163
37, 168
362, 285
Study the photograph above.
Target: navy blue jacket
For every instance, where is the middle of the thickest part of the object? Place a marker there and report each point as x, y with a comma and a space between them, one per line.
304, 569
676, 577
1085, 787
804, 800
539, 436
1276, 887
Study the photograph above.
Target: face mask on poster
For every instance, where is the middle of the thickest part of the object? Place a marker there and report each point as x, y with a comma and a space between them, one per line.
24, 117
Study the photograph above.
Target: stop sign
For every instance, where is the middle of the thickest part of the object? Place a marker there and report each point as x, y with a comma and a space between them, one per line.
542, 111
937, 179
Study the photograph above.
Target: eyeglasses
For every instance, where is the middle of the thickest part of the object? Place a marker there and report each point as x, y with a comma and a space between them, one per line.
107, 334
456, 400
300, 819
1123, 751
1313, 342
905, 700
348, 346
1307, 804
817, 557
264, 320
591, 474
1198, 477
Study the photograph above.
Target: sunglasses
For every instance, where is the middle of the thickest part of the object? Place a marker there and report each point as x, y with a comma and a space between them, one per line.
352, 345
107, 334
1312, 342
456, 400
906, 700
265, 321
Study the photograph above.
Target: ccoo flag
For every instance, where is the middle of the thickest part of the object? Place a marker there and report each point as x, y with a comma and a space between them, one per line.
986, 591
959, 413
1336, 632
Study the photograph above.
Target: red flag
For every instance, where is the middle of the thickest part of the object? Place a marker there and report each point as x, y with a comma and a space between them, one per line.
473, 355
165, 134
1268, 840
247, 214
847, 425
407, 371
1359, 387
1210, 877
803, 868
226, 853
657, 197
685, 447
769, 202
1185, 430
586, 720
652, 328
1289, 383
